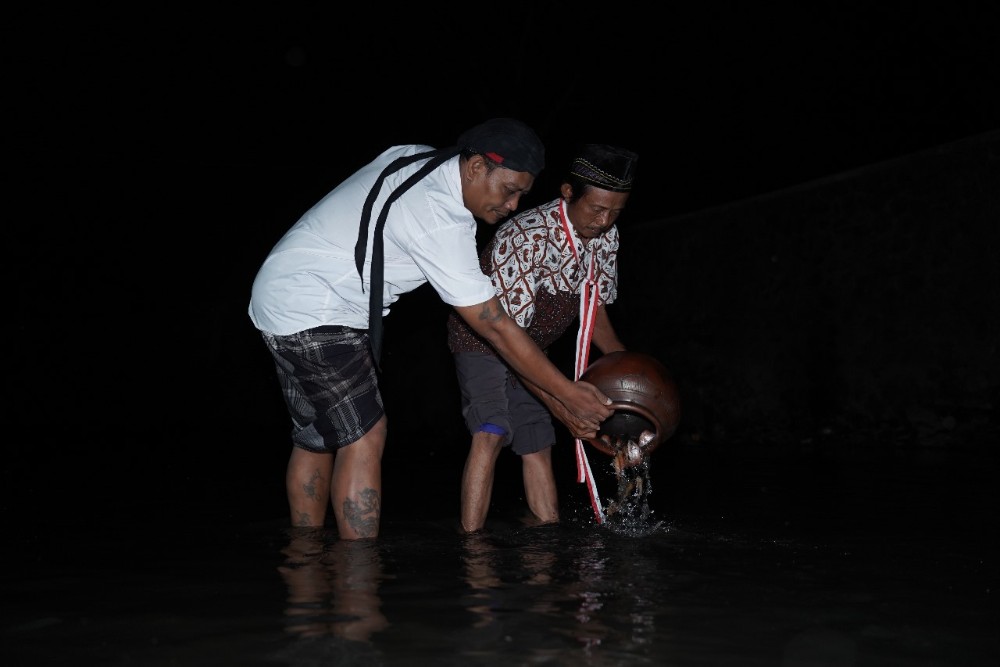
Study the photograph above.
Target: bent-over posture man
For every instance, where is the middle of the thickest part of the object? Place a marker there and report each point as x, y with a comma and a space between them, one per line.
406, 218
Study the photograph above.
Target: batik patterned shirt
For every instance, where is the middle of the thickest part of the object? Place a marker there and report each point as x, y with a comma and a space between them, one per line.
537, 278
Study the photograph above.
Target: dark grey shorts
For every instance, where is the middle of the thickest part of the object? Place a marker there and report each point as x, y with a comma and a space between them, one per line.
329, 384
492, 395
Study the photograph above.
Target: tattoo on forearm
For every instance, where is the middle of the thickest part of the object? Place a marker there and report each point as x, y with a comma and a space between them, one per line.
363, 512
488, 315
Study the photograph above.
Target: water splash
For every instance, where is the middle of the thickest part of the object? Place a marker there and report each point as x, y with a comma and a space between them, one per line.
629, 513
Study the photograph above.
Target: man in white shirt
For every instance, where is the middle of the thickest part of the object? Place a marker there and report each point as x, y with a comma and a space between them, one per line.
407, 218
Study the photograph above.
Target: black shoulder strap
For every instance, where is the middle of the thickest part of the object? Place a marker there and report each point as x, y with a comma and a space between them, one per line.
434, 160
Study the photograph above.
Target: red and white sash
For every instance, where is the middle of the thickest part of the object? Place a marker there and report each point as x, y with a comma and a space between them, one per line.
588, 315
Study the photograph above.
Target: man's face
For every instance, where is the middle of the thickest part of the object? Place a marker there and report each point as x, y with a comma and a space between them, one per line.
594, 212
492, 195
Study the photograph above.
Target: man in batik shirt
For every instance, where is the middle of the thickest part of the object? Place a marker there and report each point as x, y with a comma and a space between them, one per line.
550, 266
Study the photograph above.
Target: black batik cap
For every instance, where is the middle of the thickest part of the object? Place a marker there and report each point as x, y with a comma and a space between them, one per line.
508, 142
606, 167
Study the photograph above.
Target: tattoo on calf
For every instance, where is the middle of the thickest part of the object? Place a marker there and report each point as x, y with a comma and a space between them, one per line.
310, 487
364, 512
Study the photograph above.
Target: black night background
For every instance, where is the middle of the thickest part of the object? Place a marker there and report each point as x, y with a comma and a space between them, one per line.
810, 248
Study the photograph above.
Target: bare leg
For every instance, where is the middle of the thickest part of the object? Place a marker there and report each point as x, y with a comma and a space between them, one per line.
356, 494
307, 481
477, 480
540, 486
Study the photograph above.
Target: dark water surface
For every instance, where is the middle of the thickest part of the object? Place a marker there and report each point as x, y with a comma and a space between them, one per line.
747, 559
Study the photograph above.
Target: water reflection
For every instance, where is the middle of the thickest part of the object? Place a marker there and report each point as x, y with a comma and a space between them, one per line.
487, 571
333, 585
559, 588
741, 562
591, 564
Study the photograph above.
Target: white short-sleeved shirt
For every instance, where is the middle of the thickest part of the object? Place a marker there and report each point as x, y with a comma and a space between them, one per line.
310, 278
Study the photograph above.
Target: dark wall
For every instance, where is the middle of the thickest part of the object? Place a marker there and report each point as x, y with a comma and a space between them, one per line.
864, 301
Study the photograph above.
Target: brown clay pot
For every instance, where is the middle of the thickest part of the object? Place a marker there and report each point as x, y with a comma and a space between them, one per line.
643, 396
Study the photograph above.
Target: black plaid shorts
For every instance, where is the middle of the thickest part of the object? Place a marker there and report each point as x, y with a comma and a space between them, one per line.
328, 380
